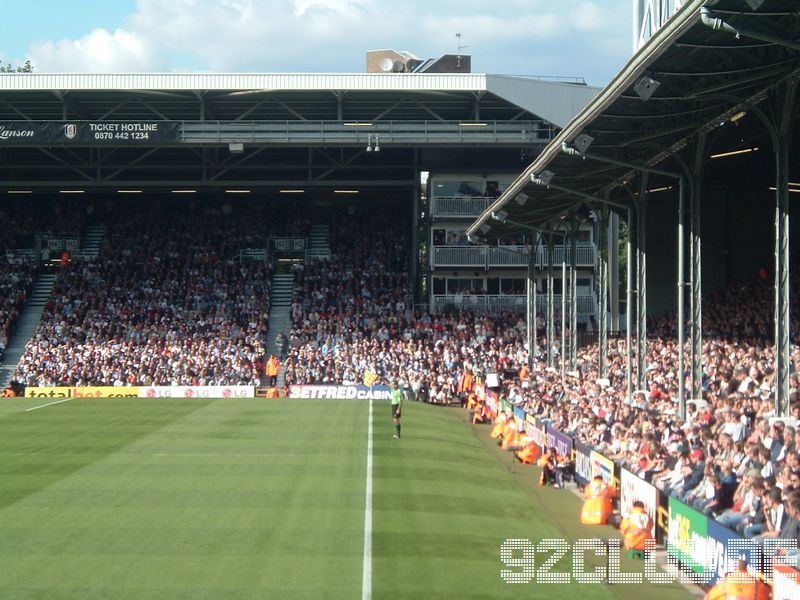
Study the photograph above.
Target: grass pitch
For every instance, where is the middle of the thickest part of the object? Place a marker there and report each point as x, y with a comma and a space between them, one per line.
155, 498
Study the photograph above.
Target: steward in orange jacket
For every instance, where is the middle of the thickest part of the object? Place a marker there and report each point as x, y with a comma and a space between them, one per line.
512, 438
740, 585
636, 528
596, 502
466, 382
499, 425
478, 413
529, 453
271, 370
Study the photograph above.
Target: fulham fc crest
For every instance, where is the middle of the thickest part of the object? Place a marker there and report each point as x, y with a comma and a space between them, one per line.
70, 130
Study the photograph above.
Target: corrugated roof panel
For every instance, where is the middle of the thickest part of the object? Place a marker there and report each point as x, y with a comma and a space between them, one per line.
553, 101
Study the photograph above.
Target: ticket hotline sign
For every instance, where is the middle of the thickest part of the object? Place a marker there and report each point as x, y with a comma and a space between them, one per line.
112, 133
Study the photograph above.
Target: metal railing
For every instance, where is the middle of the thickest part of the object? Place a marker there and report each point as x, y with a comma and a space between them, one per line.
499, 303
459, 206
506, 256
355, 133
14, 254
253, 254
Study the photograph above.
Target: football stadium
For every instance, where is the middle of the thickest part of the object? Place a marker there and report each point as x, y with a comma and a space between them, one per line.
415, 332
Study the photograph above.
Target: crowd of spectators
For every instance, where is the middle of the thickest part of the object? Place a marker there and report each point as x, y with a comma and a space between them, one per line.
24, 218
16, 279
168, 302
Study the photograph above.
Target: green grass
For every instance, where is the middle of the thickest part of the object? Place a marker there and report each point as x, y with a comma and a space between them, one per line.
265, 498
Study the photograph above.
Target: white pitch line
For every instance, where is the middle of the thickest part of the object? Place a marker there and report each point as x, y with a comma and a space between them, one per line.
366, 580
48, 404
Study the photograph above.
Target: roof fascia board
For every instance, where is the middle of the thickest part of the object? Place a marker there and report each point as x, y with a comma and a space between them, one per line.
266, 82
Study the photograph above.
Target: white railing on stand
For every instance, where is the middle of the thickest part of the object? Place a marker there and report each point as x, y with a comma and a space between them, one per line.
505, 256
459, 206
498, 303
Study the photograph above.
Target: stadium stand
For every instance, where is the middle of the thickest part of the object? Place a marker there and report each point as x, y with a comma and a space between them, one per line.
167, 302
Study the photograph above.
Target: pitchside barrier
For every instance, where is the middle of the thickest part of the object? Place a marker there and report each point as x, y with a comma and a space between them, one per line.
168, 391
703, 549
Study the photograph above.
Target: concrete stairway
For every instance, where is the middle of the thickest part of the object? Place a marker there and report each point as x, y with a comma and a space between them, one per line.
280, 318
26, 326
318, 246
90, 245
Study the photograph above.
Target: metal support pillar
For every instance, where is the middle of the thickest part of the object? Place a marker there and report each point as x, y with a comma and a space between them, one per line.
695, 273
641, 286
533, 342
415, 249
681, 283
551, 332
629, 309
573, 297
786, 100
602, 284
564, 356
612, 235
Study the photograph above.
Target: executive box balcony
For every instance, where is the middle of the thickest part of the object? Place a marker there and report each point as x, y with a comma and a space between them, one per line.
494, 257
459, 207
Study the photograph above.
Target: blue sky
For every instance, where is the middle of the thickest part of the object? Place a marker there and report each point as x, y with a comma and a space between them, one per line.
576, 38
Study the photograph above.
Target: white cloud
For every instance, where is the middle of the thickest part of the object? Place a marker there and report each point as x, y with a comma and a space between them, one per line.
301, 7
98, 51
520, 36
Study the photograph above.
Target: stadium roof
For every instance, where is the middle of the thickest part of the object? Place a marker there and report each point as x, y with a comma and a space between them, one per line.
554, 100
702, 71
287, 129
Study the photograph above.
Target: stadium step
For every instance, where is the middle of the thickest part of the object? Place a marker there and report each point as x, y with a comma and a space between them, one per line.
90, 246
280, 319
26, 326
281, 292
318, 246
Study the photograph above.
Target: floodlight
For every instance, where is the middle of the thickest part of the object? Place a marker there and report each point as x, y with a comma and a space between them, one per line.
582, 142
485, 228
543, 178
236, 147
500, 215
755, 4
521, 198
646, 87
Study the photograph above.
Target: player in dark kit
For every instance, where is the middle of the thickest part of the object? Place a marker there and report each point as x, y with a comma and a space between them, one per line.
397, 402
